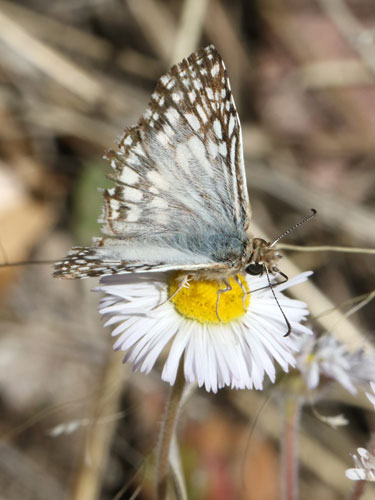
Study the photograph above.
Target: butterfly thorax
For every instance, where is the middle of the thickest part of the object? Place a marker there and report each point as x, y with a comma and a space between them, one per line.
256, 255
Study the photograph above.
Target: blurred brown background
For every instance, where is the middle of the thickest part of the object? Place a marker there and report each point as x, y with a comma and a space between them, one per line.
75, 423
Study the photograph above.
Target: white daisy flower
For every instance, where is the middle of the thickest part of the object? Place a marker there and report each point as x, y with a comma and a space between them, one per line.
236, 351
328, 359
364, 466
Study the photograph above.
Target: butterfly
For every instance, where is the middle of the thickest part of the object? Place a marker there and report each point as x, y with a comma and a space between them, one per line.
180, 200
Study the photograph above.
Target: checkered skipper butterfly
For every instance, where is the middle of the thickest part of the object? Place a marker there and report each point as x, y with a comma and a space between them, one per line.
180, 200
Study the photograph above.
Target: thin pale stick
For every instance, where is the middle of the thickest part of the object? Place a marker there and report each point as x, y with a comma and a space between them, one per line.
249, 436
363, 299
176, 470
292, 415
325, 248
26, 263
167, 430
359, 306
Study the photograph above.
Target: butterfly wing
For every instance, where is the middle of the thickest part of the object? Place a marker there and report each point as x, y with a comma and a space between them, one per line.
180, 199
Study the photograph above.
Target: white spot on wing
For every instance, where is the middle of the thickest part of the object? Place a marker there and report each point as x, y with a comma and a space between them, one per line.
177, 96
131, 194
212, 148
215, 69
192, 121
199, 152
164, 79
172, 115
218, 129
232, 121
201, 113
159, 203
233, 151
223, 149
192, 96
156, 179
162, 138
132, 159
182, 157
115, 207
168, 130
138, 149
198, 85
129, 176
133, 213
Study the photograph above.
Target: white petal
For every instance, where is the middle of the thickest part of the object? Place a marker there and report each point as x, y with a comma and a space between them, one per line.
355, 474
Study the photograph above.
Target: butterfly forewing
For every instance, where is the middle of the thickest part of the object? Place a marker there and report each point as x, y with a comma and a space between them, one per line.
180, 199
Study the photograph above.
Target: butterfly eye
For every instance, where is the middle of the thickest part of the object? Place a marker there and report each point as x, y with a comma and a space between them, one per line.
254, 269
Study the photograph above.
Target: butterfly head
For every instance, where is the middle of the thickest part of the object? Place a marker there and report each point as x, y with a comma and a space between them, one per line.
263, 257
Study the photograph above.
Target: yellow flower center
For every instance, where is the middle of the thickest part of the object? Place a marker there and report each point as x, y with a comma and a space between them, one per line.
198, 300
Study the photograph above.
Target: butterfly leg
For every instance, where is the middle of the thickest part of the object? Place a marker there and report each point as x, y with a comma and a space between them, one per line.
227, 288
241, 285
185, 281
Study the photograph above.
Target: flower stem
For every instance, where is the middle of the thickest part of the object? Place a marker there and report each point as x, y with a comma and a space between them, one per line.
166, 433
358, 490
292, 407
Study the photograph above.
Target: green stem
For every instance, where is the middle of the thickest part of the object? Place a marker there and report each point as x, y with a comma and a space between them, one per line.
167, 430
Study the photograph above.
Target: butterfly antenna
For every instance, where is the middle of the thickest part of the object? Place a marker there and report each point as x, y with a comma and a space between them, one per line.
277, 302
314, 212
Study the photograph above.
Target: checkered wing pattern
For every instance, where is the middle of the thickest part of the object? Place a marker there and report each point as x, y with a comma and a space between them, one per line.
180, 199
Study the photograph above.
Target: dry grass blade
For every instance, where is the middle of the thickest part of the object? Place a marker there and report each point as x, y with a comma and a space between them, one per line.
157, 24
331, 207
189, 30
69, 37
92, 467
342, 16
49, 61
